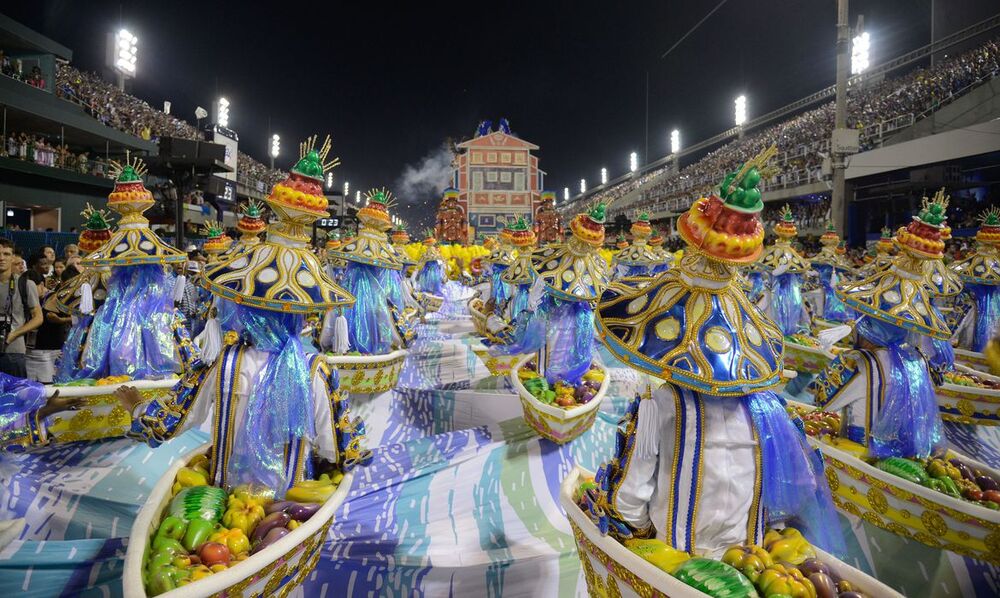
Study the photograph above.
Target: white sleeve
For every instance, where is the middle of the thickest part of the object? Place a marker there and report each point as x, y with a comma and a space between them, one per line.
326, 440
634, 493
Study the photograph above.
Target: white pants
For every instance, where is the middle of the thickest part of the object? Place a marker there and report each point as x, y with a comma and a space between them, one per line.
41, 364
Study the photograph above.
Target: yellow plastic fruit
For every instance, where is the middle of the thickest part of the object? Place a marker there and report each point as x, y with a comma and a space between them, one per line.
200, 572
243, 513
315, 491
188, 477
658, 553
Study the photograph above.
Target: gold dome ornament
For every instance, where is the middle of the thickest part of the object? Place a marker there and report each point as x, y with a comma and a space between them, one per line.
901, 294
371, 246
281, 273
693, 326
574, 271
133, 243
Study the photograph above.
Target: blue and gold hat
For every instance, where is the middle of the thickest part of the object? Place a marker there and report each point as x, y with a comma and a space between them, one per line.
134, 243
521, 271
901, 294
640, 253
372, 246
828, 254
282, 274
574, 270
782, 253
503, 253
400, 239
67, 296
983, 267
693, 326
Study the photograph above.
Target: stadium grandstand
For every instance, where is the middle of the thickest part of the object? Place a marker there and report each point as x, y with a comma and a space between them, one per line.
62, 126
894, 103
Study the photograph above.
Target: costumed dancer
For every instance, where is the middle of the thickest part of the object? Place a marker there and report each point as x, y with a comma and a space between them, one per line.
335, 266
428, 276
832, 269
136, 331
250, 225
711, 459
501, 258
275, 408
665, 258
947, 285
521, 274
981, 274
400, 278
375, 324
783, 291
559, 321
883, 255
884, 385
79, 296
639, 259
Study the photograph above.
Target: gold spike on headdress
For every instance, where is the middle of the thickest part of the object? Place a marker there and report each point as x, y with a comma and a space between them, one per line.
310, 145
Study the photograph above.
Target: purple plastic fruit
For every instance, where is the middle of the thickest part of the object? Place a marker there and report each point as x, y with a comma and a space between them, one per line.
302, 511
272, 536
272, 521
825, 587
278, 505
986, 482
810, 566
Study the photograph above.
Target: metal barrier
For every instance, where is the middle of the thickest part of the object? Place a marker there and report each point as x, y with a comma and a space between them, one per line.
29, 241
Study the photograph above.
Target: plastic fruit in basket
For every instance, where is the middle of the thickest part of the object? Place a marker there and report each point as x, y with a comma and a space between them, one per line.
658, 553
244, 513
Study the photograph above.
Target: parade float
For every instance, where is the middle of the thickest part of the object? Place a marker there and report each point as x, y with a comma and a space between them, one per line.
559, 382
709, 461
832, 268
248, 512
404, 293
547, 219
651, 568
877, 420
369, 348
639, 259
134, 333
980, 302
451, 219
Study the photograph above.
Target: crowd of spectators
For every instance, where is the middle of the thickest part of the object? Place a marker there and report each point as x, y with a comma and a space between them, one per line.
42, 151
13, 68
808, 215
802, 140
119, 110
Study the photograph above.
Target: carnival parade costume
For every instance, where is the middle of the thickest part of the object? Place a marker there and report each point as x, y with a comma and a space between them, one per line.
273, 406
783, 291
832, 268
521, 274
883, 255
373, 319
559, 323
981, 275
401, 291
711, 458
136, 331
79, 296
885, 384
665, 259
430, 270
500, 258
639, 259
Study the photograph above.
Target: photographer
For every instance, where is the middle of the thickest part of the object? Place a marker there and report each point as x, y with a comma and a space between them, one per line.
20, 313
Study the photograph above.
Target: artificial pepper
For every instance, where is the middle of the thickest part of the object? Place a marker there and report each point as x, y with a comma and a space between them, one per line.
243, 513
190, 476
949, 486
777, 580
234, 539
197, 533
172, 527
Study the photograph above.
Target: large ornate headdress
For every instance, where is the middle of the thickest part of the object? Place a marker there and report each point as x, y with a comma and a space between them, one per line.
371, 246
134, 243
693, 326
282, 274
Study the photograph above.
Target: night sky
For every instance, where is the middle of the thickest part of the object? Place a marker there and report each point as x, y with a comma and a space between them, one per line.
392, 81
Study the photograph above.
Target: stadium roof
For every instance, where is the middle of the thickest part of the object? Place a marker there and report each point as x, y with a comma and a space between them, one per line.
15, 37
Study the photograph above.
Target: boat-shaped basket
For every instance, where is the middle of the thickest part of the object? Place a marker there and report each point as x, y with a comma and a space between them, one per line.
610, 569
972, 405
802, 358
274, 571
909, 509
498, 365
100, 415
551, 421
368, 373
431, 303
479, 319
973, 359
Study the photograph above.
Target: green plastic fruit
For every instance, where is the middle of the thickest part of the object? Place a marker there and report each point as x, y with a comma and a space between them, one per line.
715, 578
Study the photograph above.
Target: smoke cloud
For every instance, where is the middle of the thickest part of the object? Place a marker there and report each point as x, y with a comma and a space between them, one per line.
427, 178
